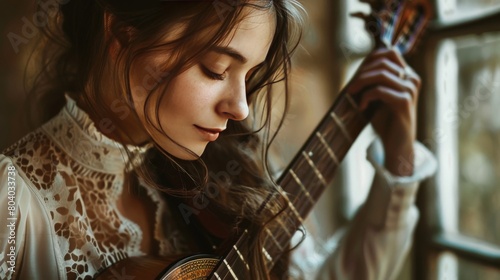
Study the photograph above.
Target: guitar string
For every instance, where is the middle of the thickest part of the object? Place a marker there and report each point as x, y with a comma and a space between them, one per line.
233, 262
318, 149
225, 263
351, 118
316, 146
389, 31
314, 190
410, 26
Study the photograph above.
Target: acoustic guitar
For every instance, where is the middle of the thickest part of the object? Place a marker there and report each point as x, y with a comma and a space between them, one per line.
393, 23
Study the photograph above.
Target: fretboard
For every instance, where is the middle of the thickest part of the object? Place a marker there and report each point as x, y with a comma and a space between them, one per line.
305, 179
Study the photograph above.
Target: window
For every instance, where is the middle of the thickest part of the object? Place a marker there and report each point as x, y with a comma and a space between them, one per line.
459, 235
459, 62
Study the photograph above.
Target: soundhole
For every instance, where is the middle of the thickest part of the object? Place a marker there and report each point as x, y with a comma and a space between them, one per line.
198, 267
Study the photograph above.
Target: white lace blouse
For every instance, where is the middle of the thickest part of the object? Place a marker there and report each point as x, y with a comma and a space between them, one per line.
59, 186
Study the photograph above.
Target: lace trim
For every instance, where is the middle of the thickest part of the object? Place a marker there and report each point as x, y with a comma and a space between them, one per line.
170, 238
89, 146
160, 208
90, 232
79, 174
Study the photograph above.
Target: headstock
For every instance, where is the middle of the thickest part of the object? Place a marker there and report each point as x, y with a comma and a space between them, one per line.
397, 23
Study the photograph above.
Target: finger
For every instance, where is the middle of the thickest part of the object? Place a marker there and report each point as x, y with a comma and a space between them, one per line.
391, 54
394, 69
413, 76
408, 74
396, 100
383, 64
384, 78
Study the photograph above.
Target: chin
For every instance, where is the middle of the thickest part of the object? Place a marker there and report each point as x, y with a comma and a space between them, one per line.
188, 155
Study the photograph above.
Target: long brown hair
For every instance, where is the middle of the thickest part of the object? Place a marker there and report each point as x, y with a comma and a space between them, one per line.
74, 45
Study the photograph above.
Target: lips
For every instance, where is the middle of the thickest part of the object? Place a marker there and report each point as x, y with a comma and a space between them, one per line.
209, 134
211, 130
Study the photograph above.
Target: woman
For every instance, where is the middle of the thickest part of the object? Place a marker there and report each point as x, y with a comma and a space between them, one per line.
154, 151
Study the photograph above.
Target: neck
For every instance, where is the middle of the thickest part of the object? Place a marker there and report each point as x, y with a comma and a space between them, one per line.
121, 124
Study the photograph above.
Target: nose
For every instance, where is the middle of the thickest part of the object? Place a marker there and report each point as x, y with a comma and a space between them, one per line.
234, 104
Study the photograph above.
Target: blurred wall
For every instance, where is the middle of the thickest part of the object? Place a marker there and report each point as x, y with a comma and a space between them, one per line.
13, 14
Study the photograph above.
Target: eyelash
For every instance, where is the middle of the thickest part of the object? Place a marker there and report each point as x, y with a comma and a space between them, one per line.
216, 76
212, 75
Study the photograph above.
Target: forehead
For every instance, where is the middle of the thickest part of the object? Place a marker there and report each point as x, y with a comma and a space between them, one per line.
253, 36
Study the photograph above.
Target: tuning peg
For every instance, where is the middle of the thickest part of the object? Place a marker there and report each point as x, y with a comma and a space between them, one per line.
360, 15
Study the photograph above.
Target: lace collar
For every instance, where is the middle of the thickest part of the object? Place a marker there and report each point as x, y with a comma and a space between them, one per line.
76, 134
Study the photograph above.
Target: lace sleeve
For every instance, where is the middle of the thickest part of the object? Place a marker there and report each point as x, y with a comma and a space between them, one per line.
23, 224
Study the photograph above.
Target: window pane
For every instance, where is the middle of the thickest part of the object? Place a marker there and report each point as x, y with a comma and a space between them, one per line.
479, 136
450, 10
451, 267
468, 270
476, 4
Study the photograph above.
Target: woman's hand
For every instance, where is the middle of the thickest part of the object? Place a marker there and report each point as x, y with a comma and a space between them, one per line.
384, 76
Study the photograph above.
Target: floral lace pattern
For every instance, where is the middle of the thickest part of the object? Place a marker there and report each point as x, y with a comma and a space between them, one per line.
79, 174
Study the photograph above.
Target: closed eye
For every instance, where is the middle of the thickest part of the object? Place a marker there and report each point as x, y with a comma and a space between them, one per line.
212, 75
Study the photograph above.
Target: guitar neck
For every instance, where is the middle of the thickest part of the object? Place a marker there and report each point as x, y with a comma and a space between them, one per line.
307, 176
313, 168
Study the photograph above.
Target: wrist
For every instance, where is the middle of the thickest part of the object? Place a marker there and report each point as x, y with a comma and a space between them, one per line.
400, 162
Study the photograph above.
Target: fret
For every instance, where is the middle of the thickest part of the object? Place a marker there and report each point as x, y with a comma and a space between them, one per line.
295, 212
283, 226
230, 269
267, 255
341, 125
327, 147
315, 169
241, 257
292, 208
225, 270
347, 107
351, 101
280, 235
299, 182
274, 239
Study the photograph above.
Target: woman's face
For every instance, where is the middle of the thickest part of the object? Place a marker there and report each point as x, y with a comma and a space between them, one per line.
199, 102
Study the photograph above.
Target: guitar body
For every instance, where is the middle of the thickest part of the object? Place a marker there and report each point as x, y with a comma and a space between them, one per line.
196, 267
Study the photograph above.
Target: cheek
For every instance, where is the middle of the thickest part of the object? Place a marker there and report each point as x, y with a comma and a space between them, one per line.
139, 90
188, 92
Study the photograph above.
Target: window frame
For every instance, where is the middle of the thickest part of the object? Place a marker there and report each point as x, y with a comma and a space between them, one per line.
431, 239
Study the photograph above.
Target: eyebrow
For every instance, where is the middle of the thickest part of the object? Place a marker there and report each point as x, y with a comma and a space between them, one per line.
230, 52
